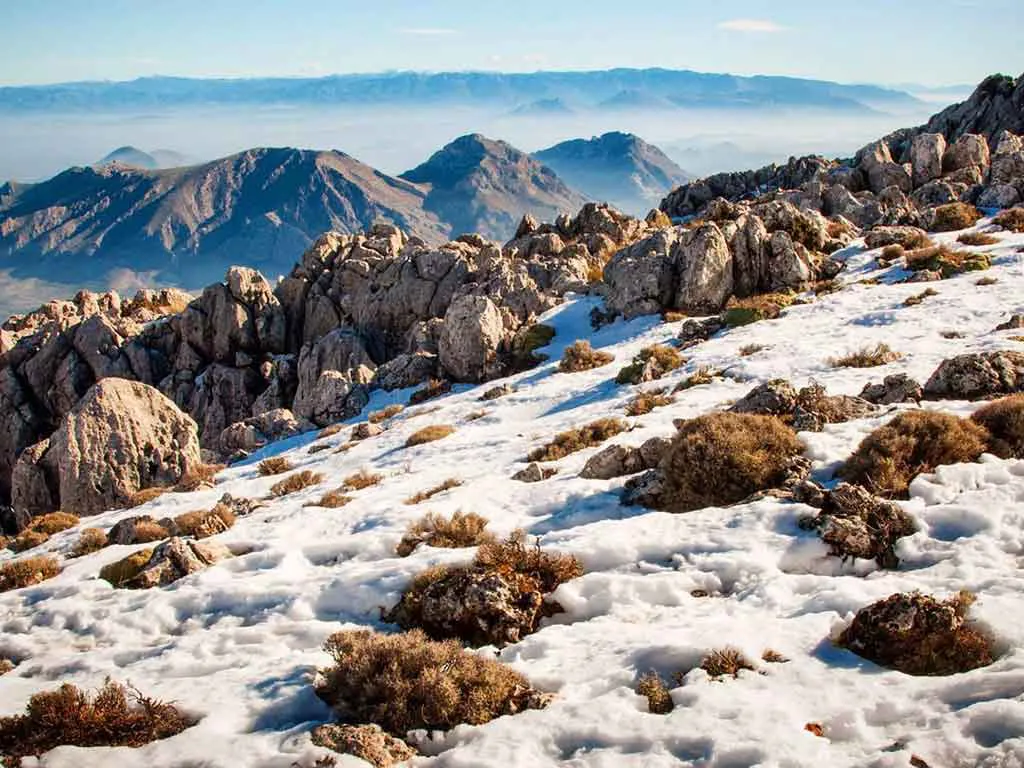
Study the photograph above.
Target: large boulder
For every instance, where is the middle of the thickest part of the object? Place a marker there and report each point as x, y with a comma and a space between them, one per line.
704, 266
926, 153
1008, 160
473, 330
175, 559
122, 437
641, 278
244, 437
970, 149
977, 375
333, 377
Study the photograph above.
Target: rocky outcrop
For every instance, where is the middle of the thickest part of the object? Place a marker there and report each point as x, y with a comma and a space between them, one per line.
977, 375
895, 388
175, 559
122, 437
369, 743
244, 437
473, 330
621, 460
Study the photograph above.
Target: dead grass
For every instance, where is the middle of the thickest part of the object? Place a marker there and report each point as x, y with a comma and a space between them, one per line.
329, 431
651, 363
201, 524
766, 306
122, 571
456, 532
985, 281
335, 499
977, 239
1004, 421
89, 541
432, 389
199, 476
659, 700
954, 216
725, 662
295, 483
1011, 219
386, 413
422, 496
429, 434
582, 357
773, 657
27, 572
868, 357
275, 465
670, 316
145, 496
894, 252
646, 402
722, 458
918, 298
951, 335
574, 440
948, 262
41, 528
750, 349
914, 443
147, 531
114, 716
406, 681
364, 478
698, 378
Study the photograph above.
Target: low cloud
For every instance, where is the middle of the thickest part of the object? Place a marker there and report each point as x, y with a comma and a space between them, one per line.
761, 26
428, 31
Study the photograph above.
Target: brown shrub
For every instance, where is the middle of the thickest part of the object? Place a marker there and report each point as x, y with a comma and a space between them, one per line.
364, 478
651, 363
429, 434
27, 572
145, 496
41, 528
422, 496
773, 657
115, 716
1011, 219
27, 539
868, 357
405, 682
122, 571
893, 252
513, 555
726, 661
329, 431
722, 458
659, 700
295, 483
574, 440
200, 524
150, 530
947, 261
1004, 421
703, 375
646, 402
671, 316
275, 465
954, 216
986, 281
750, 349
199, 476
6, 665
432, 389
459, 531
582, 357
766, 306
383, 415
977, 239
91, 540
318, 448
914, 443
335, 499
918, 298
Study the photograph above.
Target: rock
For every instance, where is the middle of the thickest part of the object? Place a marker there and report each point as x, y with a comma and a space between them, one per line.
977, 375
641, 278
815, 408
998, 196
497, 392
252, 434
534, 473
938, 192
1008, 160
366, 742
406, 370
653, 451
333, 377
856, 524
876, 162
35, 486
468, 347
239, 506
365, 431
613, 461
122, 437
704, 266
695, 331
223, 396
175, 559
969, 149
908, 237
926, 153
772, 398
126, 531
1014, 323
13, 521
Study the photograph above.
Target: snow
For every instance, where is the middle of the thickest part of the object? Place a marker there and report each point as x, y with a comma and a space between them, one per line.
238, 644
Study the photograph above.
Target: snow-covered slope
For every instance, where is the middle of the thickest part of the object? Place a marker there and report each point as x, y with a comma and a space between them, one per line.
238, 643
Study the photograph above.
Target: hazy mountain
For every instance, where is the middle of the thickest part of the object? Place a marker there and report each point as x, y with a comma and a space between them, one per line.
680, 87
618, 168
542, 107
480, 185
136, 158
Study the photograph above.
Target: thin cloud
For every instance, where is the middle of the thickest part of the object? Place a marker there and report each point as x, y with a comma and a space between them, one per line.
751, 25
428, 31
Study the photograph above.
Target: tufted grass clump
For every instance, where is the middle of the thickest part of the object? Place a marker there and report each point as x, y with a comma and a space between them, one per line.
948, 262
645, 402
573, 440
335, 499
447, 485
702, 376
656, 691
198, 476
651, 363
124, 570
913, 443
918, 298
580, 356
429, 434
295, 483
1004, 421
765, 306
867, 357
385, 413
27, 572
202, 523
954, 216
89, 541
430, 391
977, 239
1011, 219
41, 528
725, 662
145, 496
275, 465
463, 529
364, 478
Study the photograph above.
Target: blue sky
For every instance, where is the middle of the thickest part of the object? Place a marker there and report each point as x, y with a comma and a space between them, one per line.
933, 42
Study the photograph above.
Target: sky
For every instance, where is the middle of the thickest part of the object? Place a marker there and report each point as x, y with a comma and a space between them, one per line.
930, 42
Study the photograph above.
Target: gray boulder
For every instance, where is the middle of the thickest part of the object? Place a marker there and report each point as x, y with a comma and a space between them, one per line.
977, 375
468, 347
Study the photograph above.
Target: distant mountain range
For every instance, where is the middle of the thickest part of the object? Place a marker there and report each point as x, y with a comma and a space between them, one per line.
136, 158
615, 88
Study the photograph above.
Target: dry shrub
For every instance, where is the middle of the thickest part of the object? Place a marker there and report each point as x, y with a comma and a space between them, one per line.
383, 415
422, 496
115, 716
670, 316
432, 389
364, 478
565, 443
750, 349
429, 434
703, 375
275, 465
329, 431
651, 363
646, 402
954, 216
27, 539
145, 496
825, 287
150, 530
126, 569
773, 657
659, 700
914, 443
41, 528
868, 357
198, 476
1004, 421
977, 239
893, 252
91, 540
200, 524
947, 261
722, 458
766, 306
513, 555
726, 661
582, 357
986, 281
27, 572
335, 499
318, 448
6, 665
405, 682
1011, 219
295, 483
456, 532
913, 301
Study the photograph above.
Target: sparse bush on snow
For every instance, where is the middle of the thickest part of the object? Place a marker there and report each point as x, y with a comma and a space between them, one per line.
574, 440
1004, 421
582, 357
463, 529
429, 435
276, 465
296, 482
27, 572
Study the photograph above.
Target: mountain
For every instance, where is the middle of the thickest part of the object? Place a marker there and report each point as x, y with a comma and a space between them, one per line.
618, 168
133, 157
680, 87
480, 185
543, 107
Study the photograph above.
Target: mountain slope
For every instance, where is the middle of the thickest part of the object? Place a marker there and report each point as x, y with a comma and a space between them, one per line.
618, 168
480, 185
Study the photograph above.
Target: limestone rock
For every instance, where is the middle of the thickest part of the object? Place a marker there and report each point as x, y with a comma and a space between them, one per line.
772, 398
533, 473
468, 347
641, 278
879, 237
175, 559
126, 531
613, 461
895, 388
367, 742
969, 149
365, 431
705, 270
247, 436
333, 374
406, 370
926, 153
977, 375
